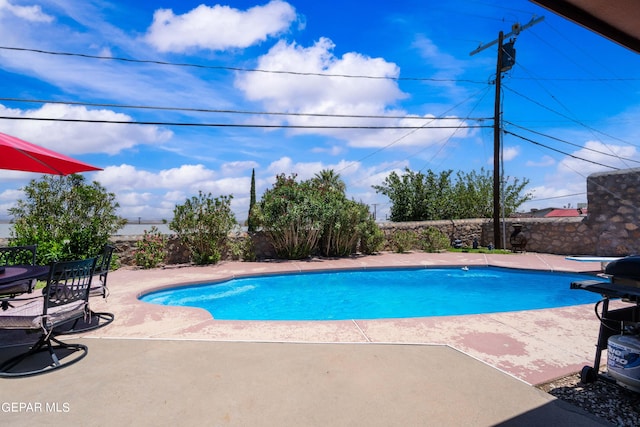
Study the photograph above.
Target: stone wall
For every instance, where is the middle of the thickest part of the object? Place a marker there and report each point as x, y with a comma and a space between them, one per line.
565, 236
614, 216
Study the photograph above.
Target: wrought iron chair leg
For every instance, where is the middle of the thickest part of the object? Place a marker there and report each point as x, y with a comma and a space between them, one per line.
43, 344
103, 319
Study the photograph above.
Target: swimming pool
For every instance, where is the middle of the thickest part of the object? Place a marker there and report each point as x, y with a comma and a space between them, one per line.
378, 293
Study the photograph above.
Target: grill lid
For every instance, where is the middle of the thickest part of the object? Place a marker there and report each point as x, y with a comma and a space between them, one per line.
627, 267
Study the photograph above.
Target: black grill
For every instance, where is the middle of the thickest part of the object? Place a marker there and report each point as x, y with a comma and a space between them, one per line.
621, 281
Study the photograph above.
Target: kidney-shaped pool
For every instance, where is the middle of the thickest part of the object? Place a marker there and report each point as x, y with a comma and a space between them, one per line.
378, 293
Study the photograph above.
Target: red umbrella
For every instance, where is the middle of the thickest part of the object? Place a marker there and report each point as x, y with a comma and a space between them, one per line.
19, 155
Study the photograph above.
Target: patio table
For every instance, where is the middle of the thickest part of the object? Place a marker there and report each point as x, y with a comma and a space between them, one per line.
10, 275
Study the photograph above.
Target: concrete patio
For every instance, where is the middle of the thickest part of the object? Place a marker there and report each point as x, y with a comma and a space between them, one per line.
159, 365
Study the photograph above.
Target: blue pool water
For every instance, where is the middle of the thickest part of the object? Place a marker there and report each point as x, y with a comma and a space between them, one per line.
376, 294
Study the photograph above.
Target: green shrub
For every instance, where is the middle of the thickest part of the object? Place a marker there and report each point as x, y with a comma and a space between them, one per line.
433, 240
203, 224
341, 221
67, 218
248, 249
311, 217
290, 214
371, 237
403, 240
242, 249
151, 250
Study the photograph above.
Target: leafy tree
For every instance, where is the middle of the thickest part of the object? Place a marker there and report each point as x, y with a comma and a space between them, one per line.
251, 221
420, 197
67, 218
474, 194
203, 224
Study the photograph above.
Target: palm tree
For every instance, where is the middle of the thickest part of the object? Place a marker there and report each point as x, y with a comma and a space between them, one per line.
327, 178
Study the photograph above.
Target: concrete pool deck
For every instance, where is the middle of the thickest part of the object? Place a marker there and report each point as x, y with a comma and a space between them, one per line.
453, 370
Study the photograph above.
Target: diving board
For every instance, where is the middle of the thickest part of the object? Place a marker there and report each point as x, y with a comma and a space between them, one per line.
603, 260
593, 258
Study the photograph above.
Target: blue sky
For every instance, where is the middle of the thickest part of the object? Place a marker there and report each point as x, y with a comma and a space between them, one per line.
571, 99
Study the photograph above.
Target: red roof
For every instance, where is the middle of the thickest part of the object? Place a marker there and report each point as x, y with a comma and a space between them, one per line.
556, 213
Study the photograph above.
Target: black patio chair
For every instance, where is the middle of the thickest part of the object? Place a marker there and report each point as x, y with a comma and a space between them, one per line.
103, 264
64, 298
98, 288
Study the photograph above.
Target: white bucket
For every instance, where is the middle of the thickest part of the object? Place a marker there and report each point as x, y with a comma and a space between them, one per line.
623, 360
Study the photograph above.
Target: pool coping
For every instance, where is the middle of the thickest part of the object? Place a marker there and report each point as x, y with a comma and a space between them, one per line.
535, 346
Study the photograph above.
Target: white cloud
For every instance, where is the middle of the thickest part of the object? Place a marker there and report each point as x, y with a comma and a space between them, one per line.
448, 64
78, 137
286, 92
375, 175
568, 184
138, 191
134, 199
227, 186
565, 193
429, 131
218, 27
338, 96
175, 196
238, 167
334, 150
544, 162
303, 170
127, 177
11, 194
307, 170
28, 13
598, 154
510, 153
282, 165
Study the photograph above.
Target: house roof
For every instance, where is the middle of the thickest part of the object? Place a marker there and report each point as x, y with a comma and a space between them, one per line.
561, 213
616, 20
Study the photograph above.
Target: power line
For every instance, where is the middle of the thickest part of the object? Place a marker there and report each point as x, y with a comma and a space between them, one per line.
257, 113
567, 117
559, 197
240, 125
559, 151
226, 68
402, 137
574, 144
580, 79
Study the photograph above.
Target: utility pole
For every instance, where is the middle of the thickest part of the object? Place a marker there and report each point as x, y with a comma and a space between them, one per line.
505, 61
497, 148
